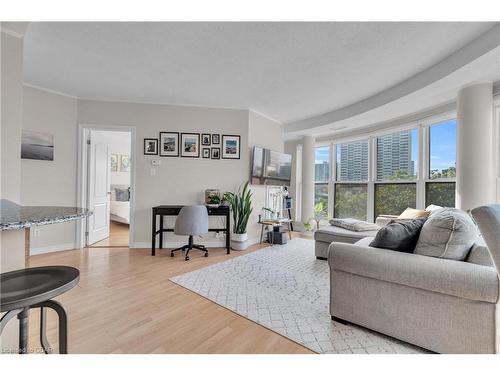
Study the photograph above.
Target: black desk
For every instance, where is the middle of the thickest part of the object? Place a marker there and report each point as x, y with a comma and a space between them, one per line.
173, 210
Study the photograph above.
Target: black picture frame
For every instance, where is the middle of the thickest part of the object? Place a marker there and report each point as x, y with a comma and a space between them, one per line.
216, 139
187, 154
237, 152
215, 153
205, 152
206, 137
161, 152
146, 146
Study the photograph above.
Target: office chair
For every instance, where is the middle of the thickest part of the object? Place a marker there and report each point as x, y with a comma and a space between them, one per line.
191, 221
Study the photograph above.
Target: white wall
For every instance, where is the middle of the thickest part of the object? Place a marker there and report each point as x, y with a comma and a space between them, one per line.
51, 182
266, 133
11, 242
177, 180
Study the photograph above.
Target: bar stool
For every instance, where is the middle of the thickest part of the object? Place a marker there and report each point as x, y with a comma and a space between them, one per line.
29, 288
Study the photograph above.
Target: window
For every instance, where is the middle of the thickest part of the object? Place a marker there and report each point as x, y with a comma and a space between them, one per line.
351, 189
350, 201
397, 156
352, 161
393, 199
381, 175
440, 185
322, 177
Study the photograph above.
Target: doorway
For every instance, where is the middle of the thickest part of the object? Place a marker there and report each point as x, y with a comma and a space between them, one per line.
107, 186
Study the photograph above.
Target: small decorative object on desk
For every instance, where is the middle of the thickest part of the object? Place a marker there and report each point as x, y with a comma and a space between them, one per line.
226, 199
212, 197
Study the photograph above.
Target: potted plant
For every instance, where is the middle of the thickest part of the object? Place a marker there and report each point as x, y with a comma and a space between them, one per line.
267, 211
319, 215
241, 207
226, 198
212, 197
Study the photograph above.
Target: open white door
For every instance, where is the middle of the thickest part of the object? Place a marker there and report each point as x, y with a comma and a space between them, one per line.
99, 187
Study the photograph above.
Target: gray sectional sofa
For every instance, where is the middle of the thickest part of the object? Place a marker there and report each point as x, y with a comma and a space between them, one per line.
443, 305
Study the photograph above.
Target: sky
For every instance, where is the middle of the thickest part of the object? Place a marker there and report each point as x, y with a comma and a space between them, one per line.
443, 145
443, 139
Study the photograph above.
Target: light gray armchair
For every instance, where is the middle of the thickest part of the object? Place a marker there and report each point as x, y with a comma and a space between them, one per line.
443, 305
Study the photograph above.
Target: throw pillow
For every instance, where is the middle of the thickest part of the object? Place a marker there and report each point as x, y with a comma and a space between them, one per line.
399, 236
448, 233
412, 213
122, 195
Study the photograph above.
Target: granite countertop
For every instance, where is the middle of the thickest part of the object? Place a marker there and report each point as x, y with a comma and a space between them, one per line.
14, 216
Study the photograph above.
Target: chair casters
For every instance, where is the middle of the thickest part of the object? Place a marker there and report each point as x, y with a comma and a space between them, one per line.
172, 255
187, 258
206, 254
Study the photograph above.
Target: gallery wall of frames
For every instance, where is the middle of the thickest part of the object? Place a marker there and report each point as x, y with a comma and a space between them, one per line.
194, 145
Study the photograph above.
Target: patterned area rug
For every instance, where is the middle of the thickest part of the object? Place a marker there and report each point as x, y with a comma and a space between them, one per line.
286, 289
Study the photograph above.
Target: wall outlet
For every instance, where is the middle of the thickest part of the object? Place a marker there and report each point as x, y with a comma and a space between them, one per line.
152, 172
36, 232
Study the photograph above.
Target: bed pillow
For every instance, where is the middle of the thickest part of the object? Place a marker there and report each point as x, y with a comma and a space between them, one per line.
448, 233
399, 236
122, 195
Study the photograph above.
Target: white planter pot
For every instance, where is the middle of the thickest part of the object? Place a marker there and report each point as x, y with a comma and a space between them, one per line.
239, 241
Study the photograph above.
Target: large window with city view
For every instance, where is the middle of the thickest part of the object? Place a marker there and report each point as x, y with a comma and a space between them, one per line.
440, 186
321, 179
350, 189
397, 156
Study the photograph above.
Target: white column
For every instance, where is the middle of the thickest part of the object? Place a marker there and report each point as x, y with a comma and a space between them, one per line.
307, 210
475, 164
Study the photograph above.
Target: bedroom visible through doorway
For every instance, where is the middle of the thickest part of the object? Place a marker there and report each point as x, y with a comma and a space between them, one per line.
109, 181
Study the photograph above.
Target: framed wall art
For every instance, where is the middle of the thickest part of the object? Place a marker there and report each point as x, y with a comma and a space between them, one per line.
231, 146
190, 145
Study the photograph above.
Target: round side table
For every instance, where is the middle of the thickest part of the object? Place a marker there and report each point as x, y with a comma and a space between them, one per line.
29, 288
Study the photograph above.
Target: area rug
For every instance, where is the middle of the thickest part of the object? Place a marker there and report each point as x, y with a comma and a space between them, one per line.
286, 289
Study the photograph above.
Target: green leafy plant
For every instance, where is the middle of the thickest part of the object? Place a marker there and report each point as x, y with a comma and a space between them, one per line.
213, 199
307, 225
267, 209
241, 206
319, 213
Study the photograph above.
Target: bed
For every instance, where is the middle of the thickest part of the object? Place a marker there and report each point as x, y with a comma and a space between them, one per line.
120, 204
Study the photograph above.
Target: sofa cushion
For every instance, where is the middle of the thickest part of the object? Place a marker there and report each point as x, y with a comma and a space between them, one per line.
400, 236
479, 254
459, 279
331, 234
488, 219
448, 233
353, 224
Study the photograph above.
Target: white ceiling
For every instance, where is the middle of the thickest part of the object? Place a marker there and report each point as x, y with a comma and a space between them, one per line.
287, 71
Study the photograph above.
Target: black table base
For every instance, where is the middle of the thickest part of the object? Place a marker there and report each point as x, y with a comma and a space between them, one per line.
173, 210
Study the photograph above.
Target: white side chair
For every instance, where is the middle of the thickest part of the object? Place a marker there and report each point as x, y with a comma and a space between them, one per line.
191, 221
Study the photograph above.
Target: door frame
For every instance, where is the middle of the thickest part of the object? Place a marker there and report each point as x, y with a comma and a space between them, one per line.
82, 176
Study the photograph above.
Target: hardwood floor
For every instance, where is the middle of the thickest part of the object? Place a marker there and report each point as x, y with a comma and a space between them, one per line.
124, 303
118, 236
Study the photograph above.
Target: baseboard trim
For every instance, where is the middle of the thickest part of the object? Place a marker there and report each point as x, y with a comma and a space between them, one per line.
174, 244
53, 248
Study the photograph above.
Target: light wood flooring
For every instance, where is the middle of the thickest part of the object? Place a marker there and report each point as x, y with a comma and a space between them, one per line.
124, 303
118, 236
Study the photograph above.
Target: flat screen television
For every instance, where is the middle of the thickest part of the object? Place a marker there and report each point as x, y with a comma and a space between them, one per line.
271, 167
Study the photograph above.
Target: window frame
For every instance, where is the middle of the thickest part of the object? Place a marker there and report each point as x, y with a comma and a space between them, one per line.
422, 125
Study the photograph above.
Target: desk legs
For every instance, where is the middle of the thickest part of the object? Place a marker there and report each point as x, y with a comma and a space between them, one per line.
161, 233
153, 236
228, 234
